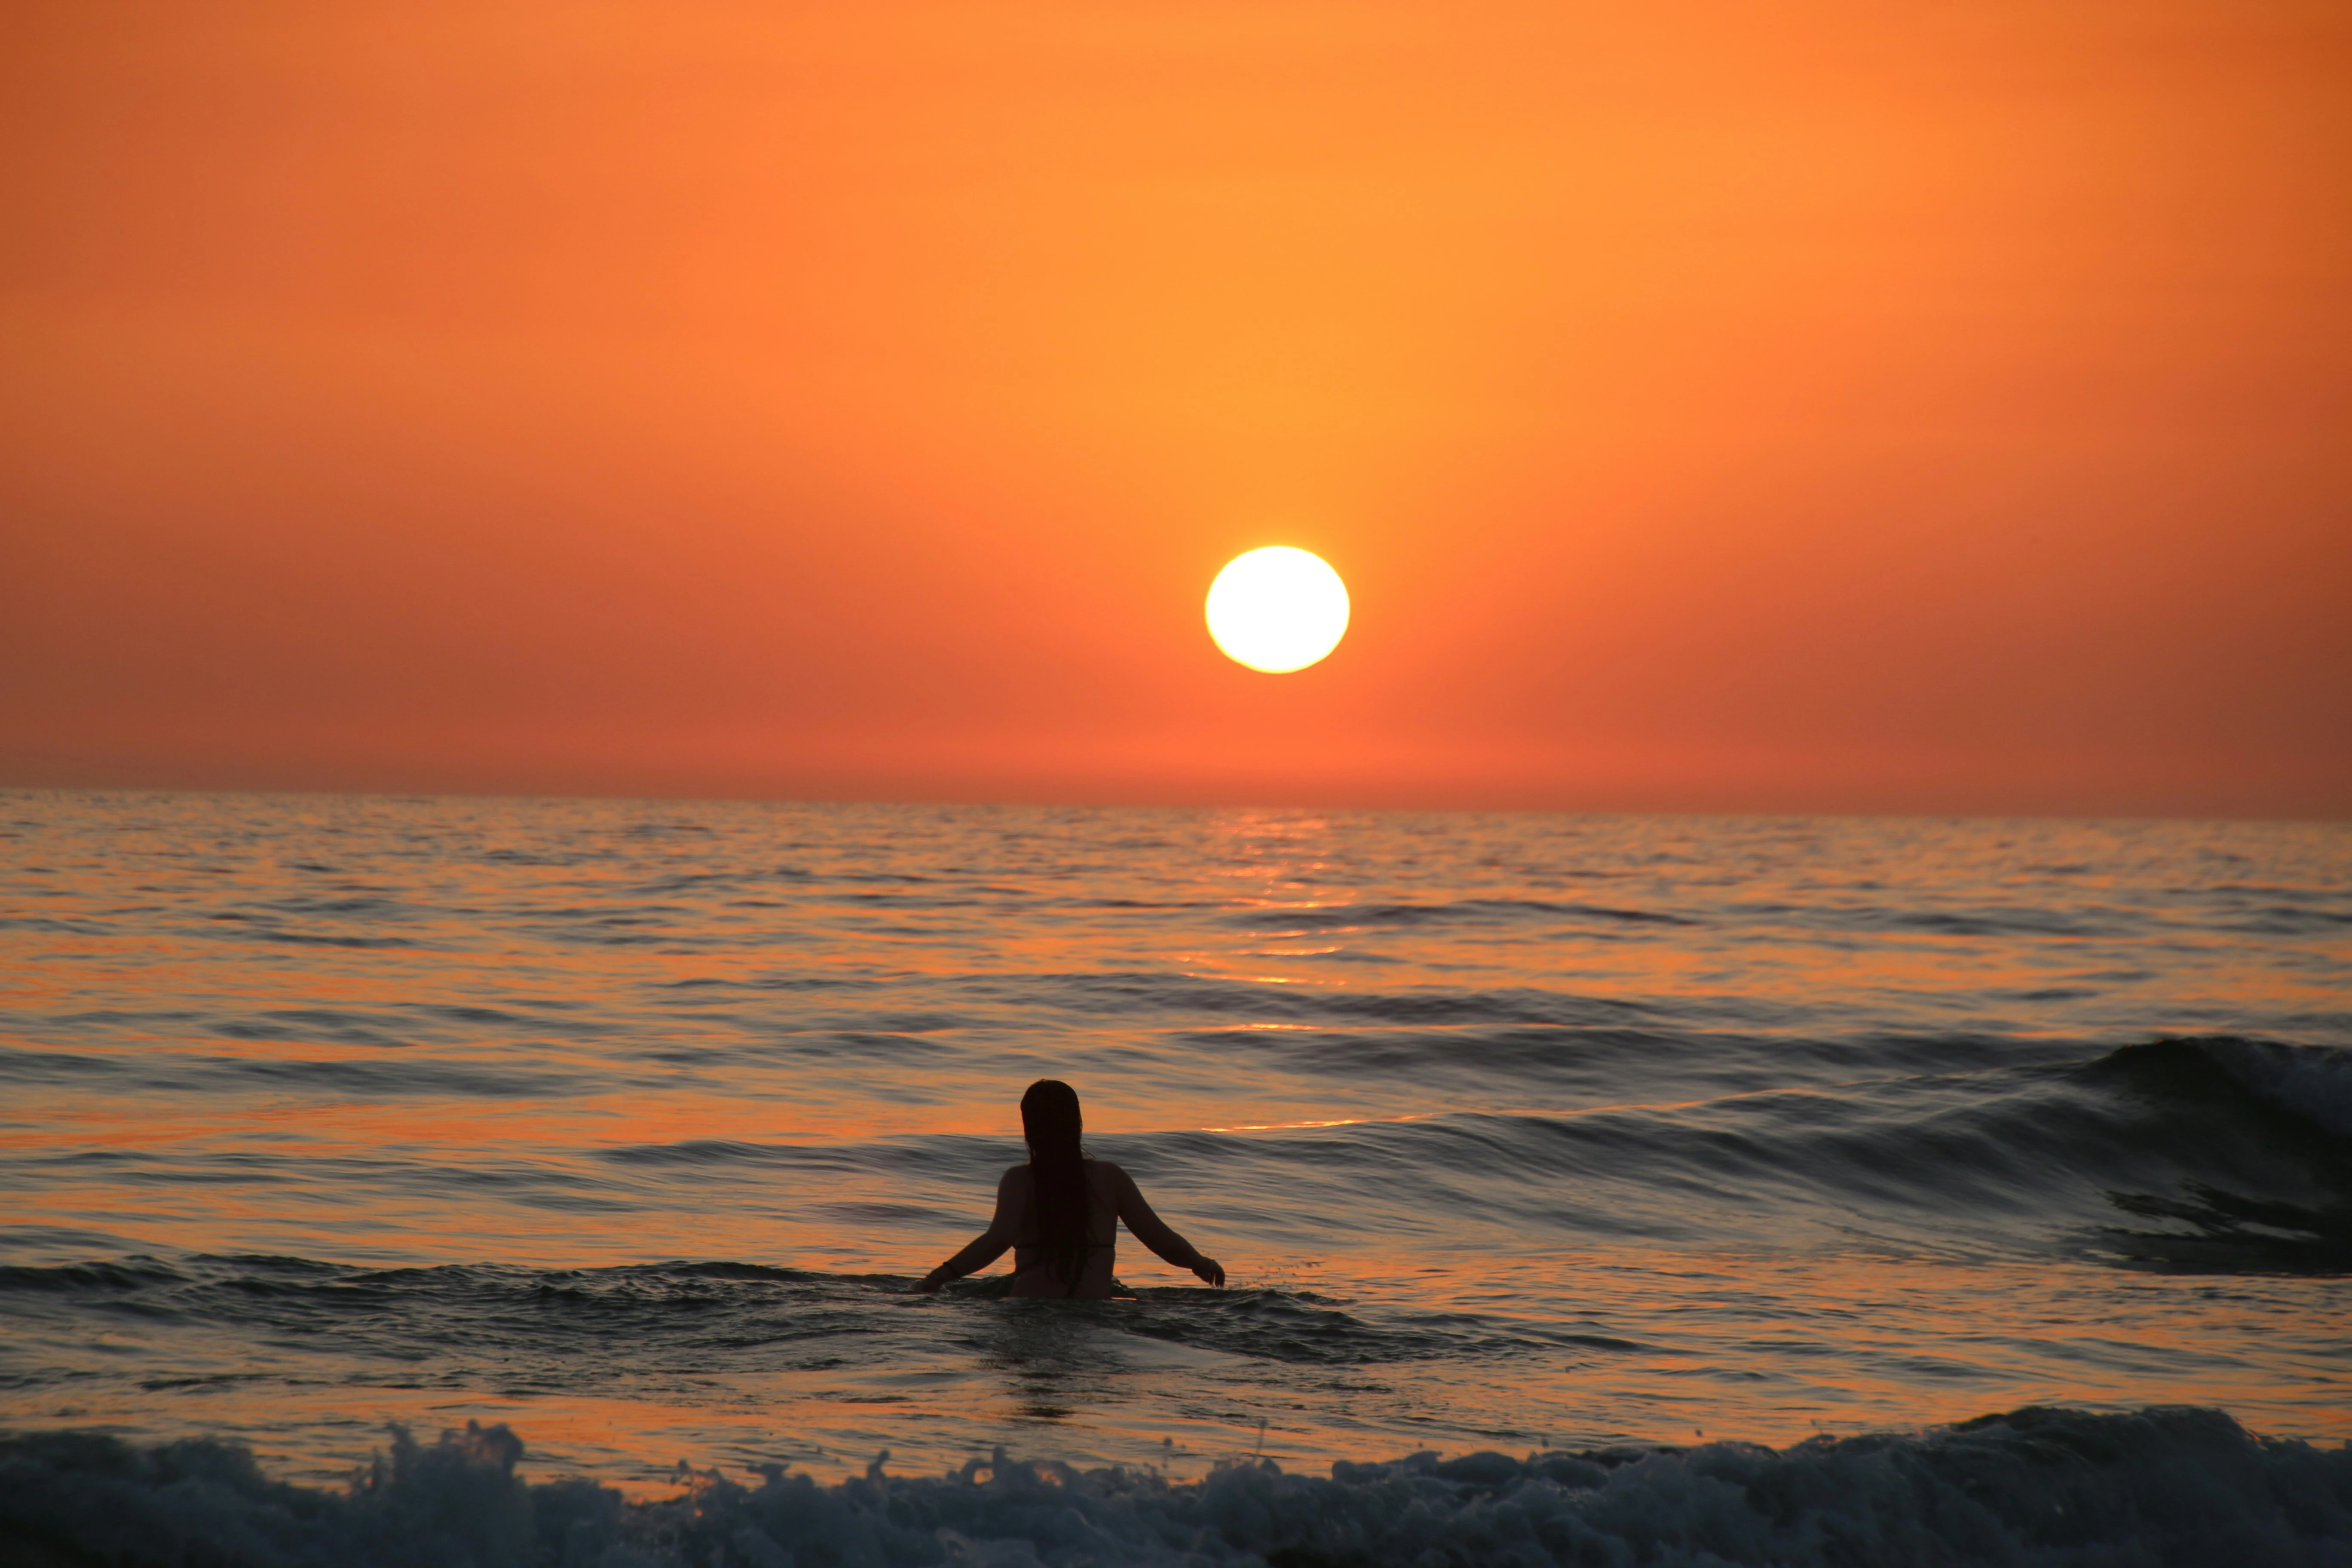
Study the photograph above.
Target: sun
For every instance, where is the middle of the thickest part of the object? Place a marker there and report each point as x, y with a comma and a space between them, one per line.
1277, 609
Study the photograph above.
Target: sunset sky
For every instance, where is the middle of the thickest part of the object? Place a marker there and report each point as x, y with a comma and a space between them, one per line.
1942, 407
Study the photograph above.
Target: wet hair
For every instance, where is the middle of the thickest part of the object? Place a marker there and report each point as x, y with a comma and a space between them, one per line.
1050, 1121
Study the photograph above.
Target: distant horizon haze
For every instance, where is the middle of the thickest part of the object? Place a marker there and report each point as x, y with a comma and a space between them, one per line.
1841, 410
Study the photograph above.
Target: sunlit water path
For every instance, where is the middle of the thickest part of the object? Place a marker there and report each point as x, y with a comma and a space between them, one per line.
627, 1123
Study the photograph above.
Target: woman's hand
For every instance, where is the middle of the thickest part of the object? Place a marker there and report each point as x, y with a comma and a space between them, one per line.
1210, 1269
929, 1284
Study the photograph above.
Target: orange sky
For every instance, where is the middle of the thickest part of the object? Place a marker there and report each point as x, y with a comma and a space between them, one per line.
1827, 405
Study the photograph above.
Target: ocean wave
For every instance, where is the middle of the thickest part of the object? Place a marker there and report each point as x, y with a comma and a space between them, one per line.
98, 1277
1192, 997
50, 1066
1295, 1327
1862, 917
2293, 1104
1485, 911
2227, 1140
2049, 1488
340, 1027
392, 1078
51, 925
724, 1303
318, 939
2230, 1233
2314, 1082
2022, 1157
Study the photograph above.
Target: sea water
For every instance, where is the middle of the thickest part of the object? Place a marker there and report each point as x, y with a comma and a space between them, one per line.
1712, 1150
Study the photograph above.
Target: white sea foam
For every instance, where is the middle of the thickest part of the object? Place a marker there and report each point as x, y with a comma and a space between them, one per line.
2047, 1487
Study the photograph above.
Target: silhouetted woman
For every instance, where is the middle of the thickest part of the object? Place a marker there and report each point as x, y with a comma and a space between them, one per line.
1060, 1212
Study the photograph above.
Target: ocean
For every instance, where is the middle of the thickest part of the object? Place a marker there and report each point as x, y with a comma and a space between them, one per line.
556, 1170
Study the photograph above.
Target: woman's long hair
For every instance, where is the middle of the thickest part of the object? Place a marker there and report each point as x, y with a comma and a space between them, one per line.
1049, 1119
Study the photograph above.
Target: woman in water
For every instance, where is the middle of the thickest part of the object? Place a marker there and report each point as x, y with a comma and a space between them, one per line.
1060, 1212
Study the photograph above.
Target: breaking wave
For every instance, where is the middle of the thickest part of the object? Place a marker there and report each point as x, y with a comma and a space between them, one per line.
2051, 1487
2313, 1082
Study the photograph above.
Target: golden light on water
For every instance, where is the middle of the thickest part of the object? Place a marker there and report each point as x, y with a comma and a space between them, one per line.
1277, 609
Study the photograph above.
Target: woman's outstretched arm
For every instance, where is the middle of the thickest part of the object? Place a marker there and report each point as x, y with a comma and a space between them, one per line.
1155, 1233
990, 1245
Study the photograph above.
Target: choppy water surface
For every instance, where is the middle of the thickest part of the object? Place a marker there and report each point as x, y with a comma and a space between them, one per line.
629, 1122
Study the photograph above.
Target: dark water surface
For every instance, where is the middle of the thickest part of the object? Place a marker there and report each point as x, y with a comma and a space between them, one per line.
627, 1123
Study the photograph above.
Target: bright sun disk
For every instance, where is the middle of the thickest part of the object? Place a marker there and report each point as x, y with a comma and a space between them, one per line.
1277, 609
